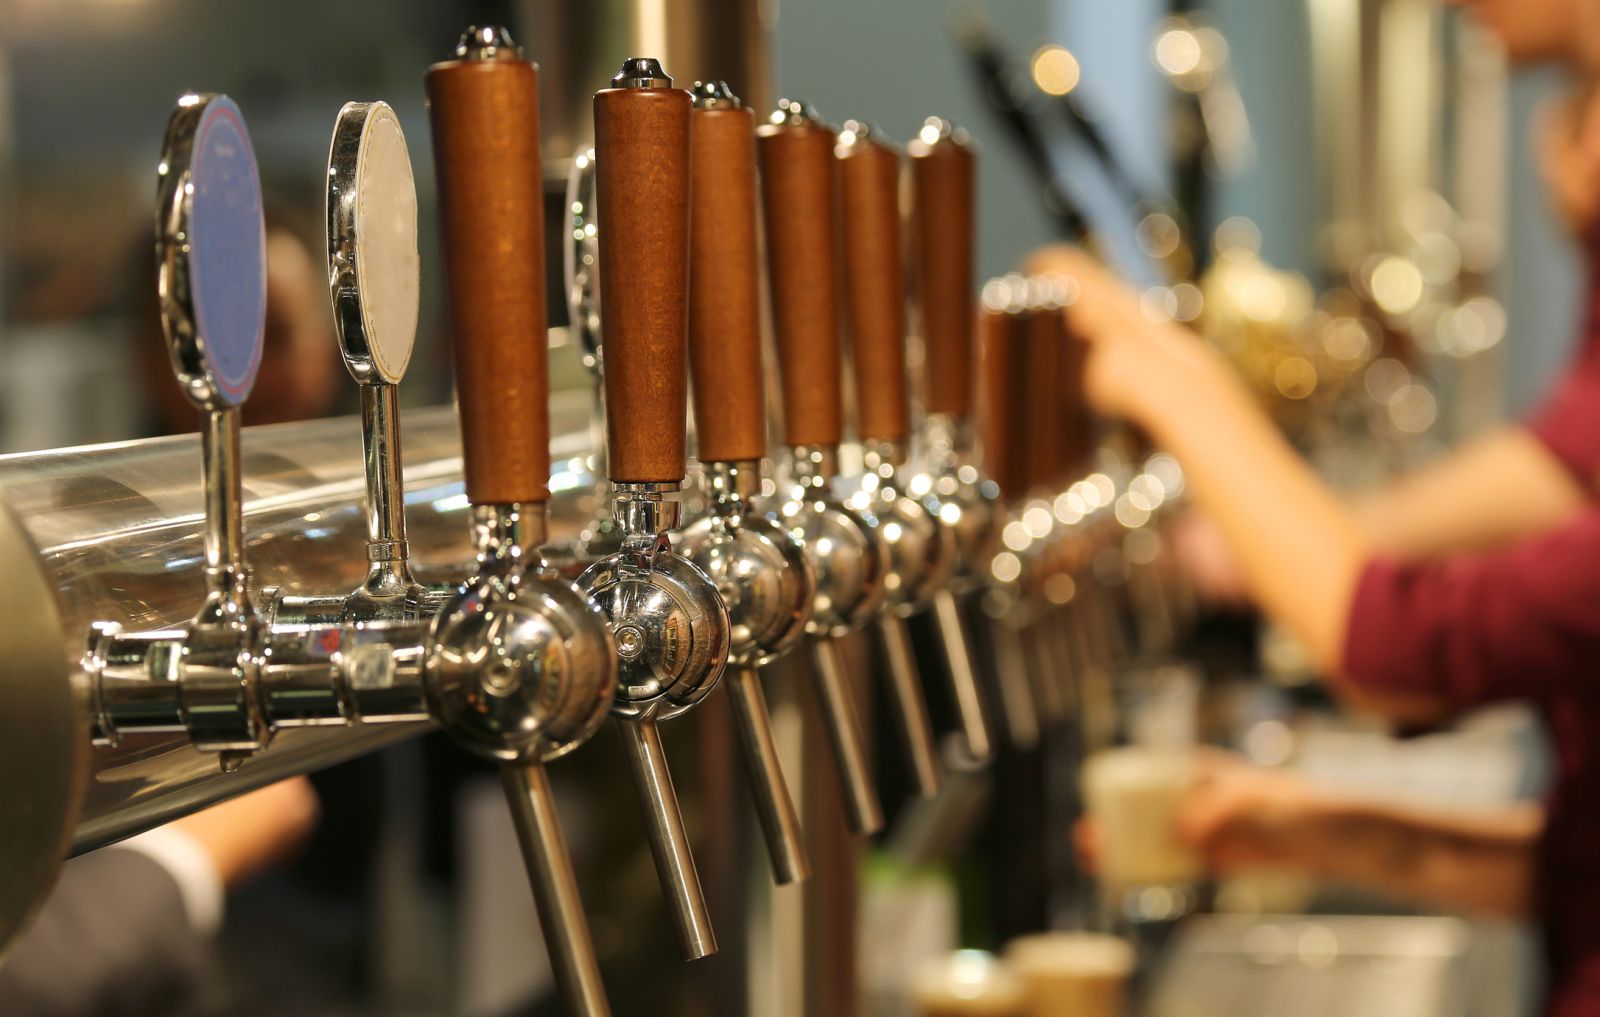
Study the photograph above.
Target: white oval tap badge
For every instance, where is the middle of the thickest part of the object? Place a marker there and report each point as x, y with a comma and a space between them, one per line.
211, 245
373, 266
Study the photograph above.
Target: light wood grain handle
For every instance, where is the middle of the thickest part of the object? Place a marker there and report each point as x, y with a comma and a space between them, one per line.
642, 204
869, 175
799, 190
1042, 393
1077, 422
485, 120
724, 287
1003, 411
943, 237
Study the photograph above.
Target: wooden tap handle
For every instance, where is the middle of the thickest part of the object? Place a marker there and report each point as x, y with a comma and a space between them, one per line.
1003, 408
943, 190
642, 204
799, 191
875, 296
1042, 393
724, 286
485, 119
1077, 423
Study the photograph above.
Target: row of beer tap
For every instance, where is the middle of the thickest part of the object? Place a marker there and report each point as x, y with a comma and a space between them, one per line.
639, 619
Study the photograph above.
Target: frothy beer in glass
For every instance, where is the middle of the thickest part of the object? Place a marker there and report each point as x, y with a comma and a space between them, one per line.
968, 983
1133, 795
1072, 974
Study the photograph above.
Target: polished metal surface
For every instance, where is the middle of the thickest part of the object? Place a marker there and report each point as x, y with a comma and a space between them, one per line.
44, 745
922, 559
641, 72
863, 810
795, 113
905, 692
850, 560
521, 666
669, 838
763, 573
555, 890
487, 42
769, 789
714, 95
119, 530
767, 583
671, 631
850, 563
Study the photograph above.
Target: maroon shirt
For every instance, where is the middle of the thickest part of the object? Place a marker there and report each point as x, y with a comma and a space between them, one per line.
1568, 422
1519, 623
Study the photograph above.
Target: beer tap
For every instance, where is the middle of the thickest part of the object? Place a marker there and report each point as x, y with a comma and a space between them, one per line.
671, 626
375, 285
921, 552
205, 677
799, 190
1005, 420
763, 573
943, 252
516, 665
521, 667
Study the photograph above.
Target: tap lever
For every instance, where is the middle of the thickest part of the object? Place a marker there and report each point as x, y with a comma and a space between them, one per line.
862, 807
775, 809
642, 196
943, 190
869, 173
555, 888
669, 838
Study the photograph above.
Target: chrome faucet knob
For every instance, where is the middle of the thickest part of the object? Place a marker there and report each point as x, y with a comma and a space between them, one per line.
670, 627
521, 667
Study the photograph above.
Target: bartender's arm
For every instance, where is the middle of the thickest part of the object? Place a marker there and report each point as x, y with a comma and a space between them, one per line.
1512, 482
1243, 818
1300, 549
1415, 641
126, 931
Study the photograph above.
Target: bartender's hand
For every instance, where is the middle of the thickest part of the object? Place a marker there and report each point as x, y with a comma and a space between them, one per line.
1135, 365
244, 836
1235, 816
1239, 816
1208, 562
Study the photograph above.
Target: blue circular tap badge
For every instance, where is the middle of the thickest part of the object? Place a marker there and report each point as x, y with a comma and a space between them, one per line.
224, 256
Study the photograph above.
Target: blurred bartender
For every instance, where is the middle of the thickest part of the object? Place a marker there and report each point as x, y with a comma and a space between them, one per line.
1476, 580
127, 930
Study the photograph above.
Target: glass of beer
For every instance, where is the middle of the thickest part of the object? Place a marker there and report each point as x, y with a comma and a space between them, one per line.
1133, 795
1072, 974
967, 983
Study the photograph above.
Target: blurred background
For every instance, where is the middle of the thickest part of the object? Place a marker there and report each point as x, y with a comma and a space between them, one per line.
85, 86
